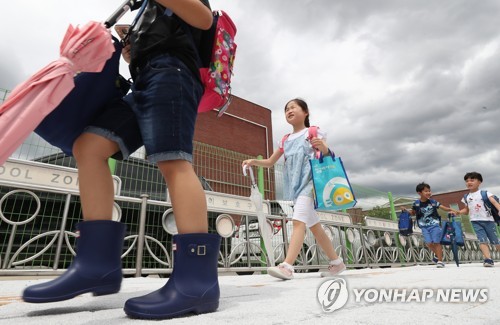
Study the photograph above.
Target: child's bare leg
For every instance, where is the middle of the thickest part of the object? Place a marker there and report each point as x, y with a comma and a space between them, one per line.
438, 252
97, 266
187, 195
94, 177
485, 250
298, 234
323, 241
438, 249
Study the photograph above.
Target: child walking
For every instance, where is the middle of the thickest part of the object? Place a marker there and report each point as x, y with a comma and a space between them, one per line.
298, 149
428, 219
481, 218
159, 113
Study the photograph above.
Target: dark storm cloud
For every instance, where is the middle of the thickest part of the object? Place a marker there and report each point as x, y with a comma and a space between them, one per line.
407, 90
445, 55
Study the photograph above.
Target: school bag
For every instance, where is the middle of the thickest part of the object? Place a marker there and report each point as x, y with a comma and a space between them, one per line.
490, 208
452, 230
332, 190
405, 224
216, 55
418, 213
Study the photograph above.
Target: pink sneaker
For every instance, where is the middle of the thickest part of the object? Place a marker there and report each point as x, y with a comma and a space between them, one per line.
334, 270
281, 272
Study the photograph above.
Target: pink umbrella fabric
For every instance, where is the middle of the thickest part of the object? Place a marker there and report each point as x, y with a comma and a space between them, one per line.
83, 49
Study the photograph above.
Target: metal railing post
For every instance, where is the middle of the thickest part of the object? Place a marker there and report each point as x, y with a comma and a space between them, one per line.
61, 232
141, 235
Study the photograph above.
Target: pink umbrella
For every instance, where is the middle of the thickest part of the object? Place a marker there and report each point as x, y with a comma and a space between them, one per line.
83, 49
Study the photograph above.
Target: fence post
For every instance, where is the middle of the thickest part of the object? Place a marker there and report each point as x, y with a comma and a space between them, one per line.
112, 165
141, 235
394, 217
260, 185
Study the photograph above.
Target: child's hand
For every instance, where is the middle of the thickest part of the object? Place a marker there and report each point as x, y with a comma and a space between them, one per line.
248, 162
320, 144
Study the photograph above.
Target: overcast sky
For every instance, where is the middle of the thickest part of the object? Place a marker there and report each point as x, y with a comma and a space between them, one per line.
408, 91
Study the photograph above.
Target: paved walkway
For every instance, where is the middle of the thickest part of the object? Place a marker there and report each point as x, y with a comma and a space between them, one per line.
406, 295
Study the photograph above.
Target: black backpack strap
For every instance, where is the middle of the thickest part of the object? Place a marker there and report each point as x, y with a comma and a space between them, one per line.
138, 5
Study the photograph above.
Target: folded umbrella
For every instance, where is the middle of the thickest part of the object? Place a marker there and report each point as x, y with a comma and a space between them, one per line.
84, 103
265, 230
83, 49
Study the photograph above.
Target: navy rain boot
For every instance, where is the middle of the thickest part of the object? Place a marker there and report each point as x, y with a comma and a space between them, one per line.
193, 286
96, 268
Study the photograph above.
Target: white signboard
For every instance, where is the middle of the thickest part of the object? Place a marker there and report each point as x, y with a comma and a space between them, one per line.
470, 236
334, 217
227, 203
236, 204
31, 174
381, 223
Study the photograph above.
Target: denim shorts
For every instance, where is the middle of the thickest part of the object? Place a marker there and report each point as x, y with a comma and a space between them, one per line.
486, 230
432, 234
159, 113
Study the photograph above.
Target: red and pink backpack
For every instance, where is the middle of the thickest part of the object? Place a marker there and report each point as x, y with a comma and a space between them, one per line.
217, 64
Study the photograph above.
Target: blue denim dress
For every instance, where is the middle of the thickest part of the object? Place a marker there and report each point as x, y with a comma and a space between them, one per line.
297, 171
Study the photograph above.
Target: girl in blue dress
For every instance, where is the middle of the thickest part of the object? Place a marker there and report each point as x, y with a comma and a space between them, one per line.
298, 149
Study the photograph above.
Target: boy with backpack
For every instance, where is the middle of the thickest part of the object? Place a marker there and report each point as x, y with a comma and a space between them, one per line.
483, 210
426, 211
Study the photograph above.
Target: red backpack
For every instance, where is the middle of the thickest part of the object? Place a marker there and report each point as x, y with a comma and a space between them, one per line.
217, 53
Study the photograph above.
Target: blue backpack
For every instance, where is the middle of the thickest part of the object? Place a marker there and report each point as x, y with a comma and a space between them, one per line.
405, 224
452, 230
490, 208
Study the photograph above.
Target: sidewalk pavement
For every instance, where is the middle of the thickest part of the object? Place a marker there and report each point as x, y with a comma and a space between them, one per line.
471, 293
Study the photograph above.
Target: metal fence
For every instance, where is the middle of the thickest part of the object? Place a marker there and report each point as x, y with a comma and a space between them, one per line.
39, 206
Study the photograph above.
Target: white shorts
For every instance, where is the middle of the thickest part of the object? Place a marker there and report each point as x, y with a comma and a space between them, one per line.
303, 210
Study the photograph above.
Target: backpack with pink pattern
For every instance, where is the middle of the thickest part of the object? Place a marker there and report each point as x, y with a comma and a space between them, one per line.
217, 53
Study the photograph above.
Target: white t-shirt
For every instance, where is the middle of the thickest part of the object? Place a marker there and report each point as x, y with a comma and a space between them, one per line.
477, 210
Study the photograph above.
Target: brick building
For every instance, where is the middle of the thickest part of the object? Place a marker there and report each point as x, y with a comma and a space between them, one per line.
451, 199
221, 144
245, 128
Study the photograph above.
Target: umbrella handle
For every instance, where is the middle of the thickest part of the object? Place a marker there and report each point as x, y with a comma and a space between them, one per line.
122, 10
245, 167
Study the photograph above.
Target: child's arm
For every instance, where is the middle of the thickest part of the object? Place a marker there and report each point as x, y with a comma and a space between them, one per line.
269, 162
495, 203
447, 209
193, 12
464, 210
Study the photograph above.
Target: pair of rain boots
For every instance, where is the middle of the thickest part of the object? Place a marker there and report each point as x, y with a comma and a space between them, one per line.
193, 286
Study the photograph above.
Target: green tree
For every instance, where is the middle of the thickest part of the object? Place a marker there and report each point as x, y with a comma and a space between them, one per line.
379, 212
